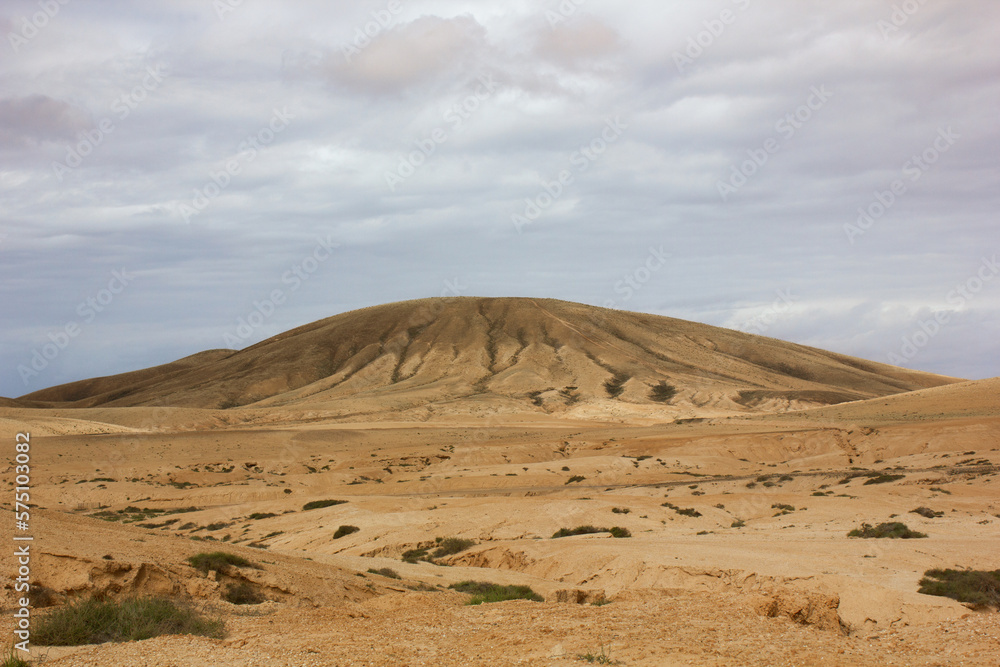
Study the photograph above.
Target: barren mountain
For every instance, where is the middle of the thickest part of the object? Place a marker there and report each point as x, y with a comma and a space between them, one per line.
502, 354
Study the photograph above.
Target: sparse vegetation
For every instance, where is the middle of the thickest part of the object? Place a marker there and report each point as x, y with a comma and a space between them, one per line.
616, 385
739, 523
243, 593
94, 621
257, 516
415, 556
883, 479
662, 392
450, 546
385, 572
892, 530
980, 588
575, 478
217, 560
620, 510
11, 659
318, 504
579, 530
485, 592
927, 512
619, 532
345, 530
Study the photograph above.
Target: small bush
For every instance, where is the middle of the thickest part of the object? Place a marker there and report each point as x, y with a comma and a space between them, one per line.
579, 530
662, 392
385, 572
620, 510
893, 530
450, 546
620, 532
317, 504
575, 478
257, 516
927, 512
415, 555
690, 511
739, 523
883, 479
94, 621
13, 660
217, 560
616, 385
484, 592
243, 593
977, 587
345, 530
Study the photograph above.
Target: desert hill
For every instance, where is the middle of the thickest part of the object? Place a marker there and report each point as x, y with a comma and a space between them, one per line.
506, 354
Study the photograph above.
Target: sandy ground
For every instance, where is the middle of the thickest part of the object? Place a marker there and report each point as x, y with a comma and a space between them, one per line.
787, 588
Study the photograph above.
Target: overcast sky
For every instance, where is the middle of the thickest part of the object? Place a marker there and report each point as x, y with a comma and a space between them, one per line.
186, 175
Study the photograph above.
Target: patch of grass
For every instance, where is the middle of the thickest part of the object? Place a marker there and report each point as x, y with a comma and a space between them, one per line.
415, 556
620, 510
579, 530
940, 490
216, 560
785, 508
883, 479
13, 660
94, 621
243, 593
318, 504
450, 546
739, 523
689, 511
927, 512
892, 530
485, 592
619, 532
662, 392
980, 588
575, 478
345, 530
257, 516
602, 658
616, 385
385, 572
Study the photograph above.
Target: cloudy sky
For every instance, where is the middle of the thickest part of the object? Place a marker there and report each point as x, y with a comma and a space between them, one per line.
194, 174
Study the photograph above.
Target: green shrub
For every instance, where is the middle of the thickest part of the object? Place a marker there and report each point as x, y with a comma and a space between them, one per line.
579, 530
345, 530
13, 660
243, 593
927, 512
256, 516
217, 560
385, 572
575, 478
616, 385
977, 587
317, 504
690, 511
94, 621
662, 392
883, 479
783, 507
893, 530
739, 523
620, 510
451, 545
619, 532
415, 555
483, 592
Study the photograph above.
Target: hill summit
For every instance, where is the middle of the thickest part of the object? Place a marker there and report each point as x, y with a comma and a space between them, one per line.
502, 354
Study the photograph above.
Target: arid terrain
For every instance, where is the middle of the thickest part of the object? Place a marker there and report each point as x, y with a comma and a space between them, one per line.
738, 464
